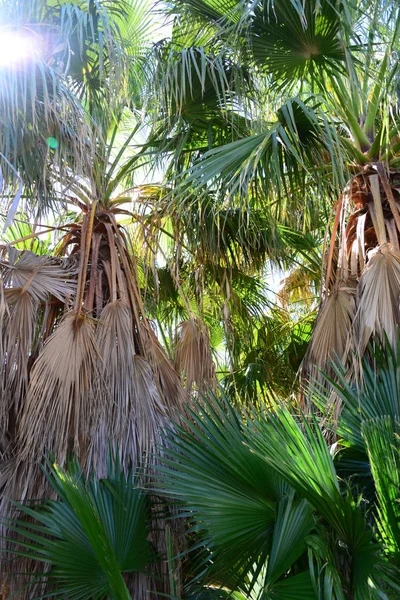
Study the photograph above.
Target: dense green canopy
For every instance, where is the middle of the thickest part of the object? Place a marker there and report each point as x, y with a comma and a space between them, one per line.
204, 196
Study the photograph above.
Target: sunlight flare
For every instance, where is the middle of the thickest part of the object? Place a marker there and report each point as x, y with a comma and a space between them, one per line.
17, 47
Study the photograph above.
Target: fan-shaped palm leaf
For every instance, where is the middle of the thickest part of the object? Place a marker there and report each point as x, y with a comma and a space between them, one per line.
96, 531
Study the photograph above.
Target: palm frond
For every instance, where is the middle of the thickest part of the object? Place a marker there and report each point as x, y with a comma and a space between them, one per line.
40, 276
193, 356
230, 495
96, 531
17, 331
300, 454
61, 405
377, 310
294, 521
137, 414
381, 436
275, 161
375, 393
332, 330
165, 374
244, 502
296, 44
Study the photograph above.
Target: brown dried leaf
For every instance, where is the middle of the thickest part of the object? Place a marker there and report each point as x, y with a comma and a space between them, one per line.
63, 402
41, 276
332, 331
18, 318
193, 355
378, 295
136, 415
165, 374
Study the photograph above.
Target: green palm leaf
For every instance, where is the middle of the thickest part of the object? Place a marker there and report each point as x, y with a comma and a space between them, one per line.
254, 529
231, 495
299, 453
381, 436
276, 161
293, 523
94, 533
376, 394
293, 44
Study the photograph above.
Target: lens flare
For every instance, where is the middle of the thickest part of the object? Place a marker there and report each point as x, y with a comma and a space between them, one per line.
18, 47
52, 143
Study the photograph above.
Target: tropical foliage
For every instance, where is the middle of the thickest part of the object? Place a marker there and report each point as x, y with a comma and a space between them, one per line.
270, 509
153, 194
319, 84
274, 512
72, 315
93, 533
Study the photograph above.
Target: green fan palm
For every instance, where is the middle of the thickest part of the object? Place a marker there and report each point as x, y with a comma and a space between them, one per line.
267, 515
96, 531
264, 501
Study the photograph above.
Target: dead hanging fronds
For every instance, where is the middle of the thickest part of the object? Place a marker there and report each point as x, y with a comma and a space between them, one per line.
27, 280
165, 374
151, 413
116, 354
18, 322
378, 294
61, 410
332, 331
41, 276
193, 355
364, 255
137, 413
63, 404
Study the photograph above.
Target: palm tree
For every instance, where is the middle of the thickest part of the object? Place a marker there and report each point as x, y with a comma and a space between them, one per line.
263, 114
80, 362
319, 88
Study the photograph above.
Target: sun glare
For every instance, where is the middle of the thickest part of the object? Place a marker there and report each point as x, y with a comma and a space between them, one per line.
17, 47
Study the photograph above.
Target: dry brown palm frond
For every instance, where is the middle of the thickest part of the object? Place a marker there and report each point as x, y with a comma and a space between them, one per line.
41, 276
60, 412
193, 355
62, 405
17, 329
331, 336
368, 253
151, 413
378, 310
116, 352
136, 413
165, 374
